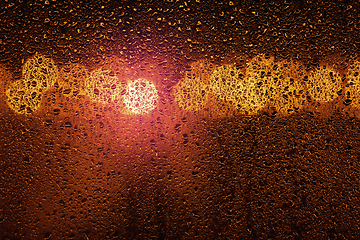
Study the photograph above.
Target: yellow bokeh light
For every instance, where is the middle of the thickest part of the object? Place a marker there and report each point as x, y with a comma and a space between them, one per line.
225, 83
103, 86
25, 95
191, 93
254, 90
39, 73
323, 84
249, 91
21, 100
353, 88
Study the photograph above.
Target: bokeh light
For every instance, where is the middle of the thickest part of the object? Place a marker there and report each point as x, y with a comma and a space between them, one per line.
254, 91
103, 86
191, 93
323, 84
25, 95
353, 88
141, 96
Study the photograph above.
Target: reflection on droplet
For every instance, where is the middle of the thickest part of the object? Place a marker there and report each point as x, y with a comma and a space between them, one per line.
56, 111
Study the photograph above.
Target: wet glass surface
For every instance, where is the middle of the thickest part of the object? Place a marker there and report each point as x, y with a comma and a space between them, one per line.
179, 120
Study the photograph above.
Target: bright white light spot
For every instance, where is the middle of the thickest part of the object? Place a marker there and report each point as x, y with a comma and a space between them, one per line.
141, 96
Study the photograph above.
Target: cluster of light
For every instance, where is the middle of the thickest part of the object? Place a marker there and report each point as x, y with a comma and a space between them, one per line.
264, 81
25, 95
269, 82
101, 85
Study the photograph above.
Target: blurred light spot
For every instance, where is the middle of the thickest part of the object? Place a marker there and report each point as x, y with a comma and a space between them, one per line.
191, 93
141, 96
25, 95
353, 86
103, 86
323, 84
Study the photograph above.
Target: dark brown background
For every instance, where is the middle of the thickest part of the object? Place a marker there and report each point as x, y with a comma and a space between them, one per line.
89, 172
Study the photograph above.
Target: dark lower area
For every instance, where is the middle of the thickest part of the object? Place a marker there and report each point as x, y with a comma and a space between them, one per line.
254, 177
